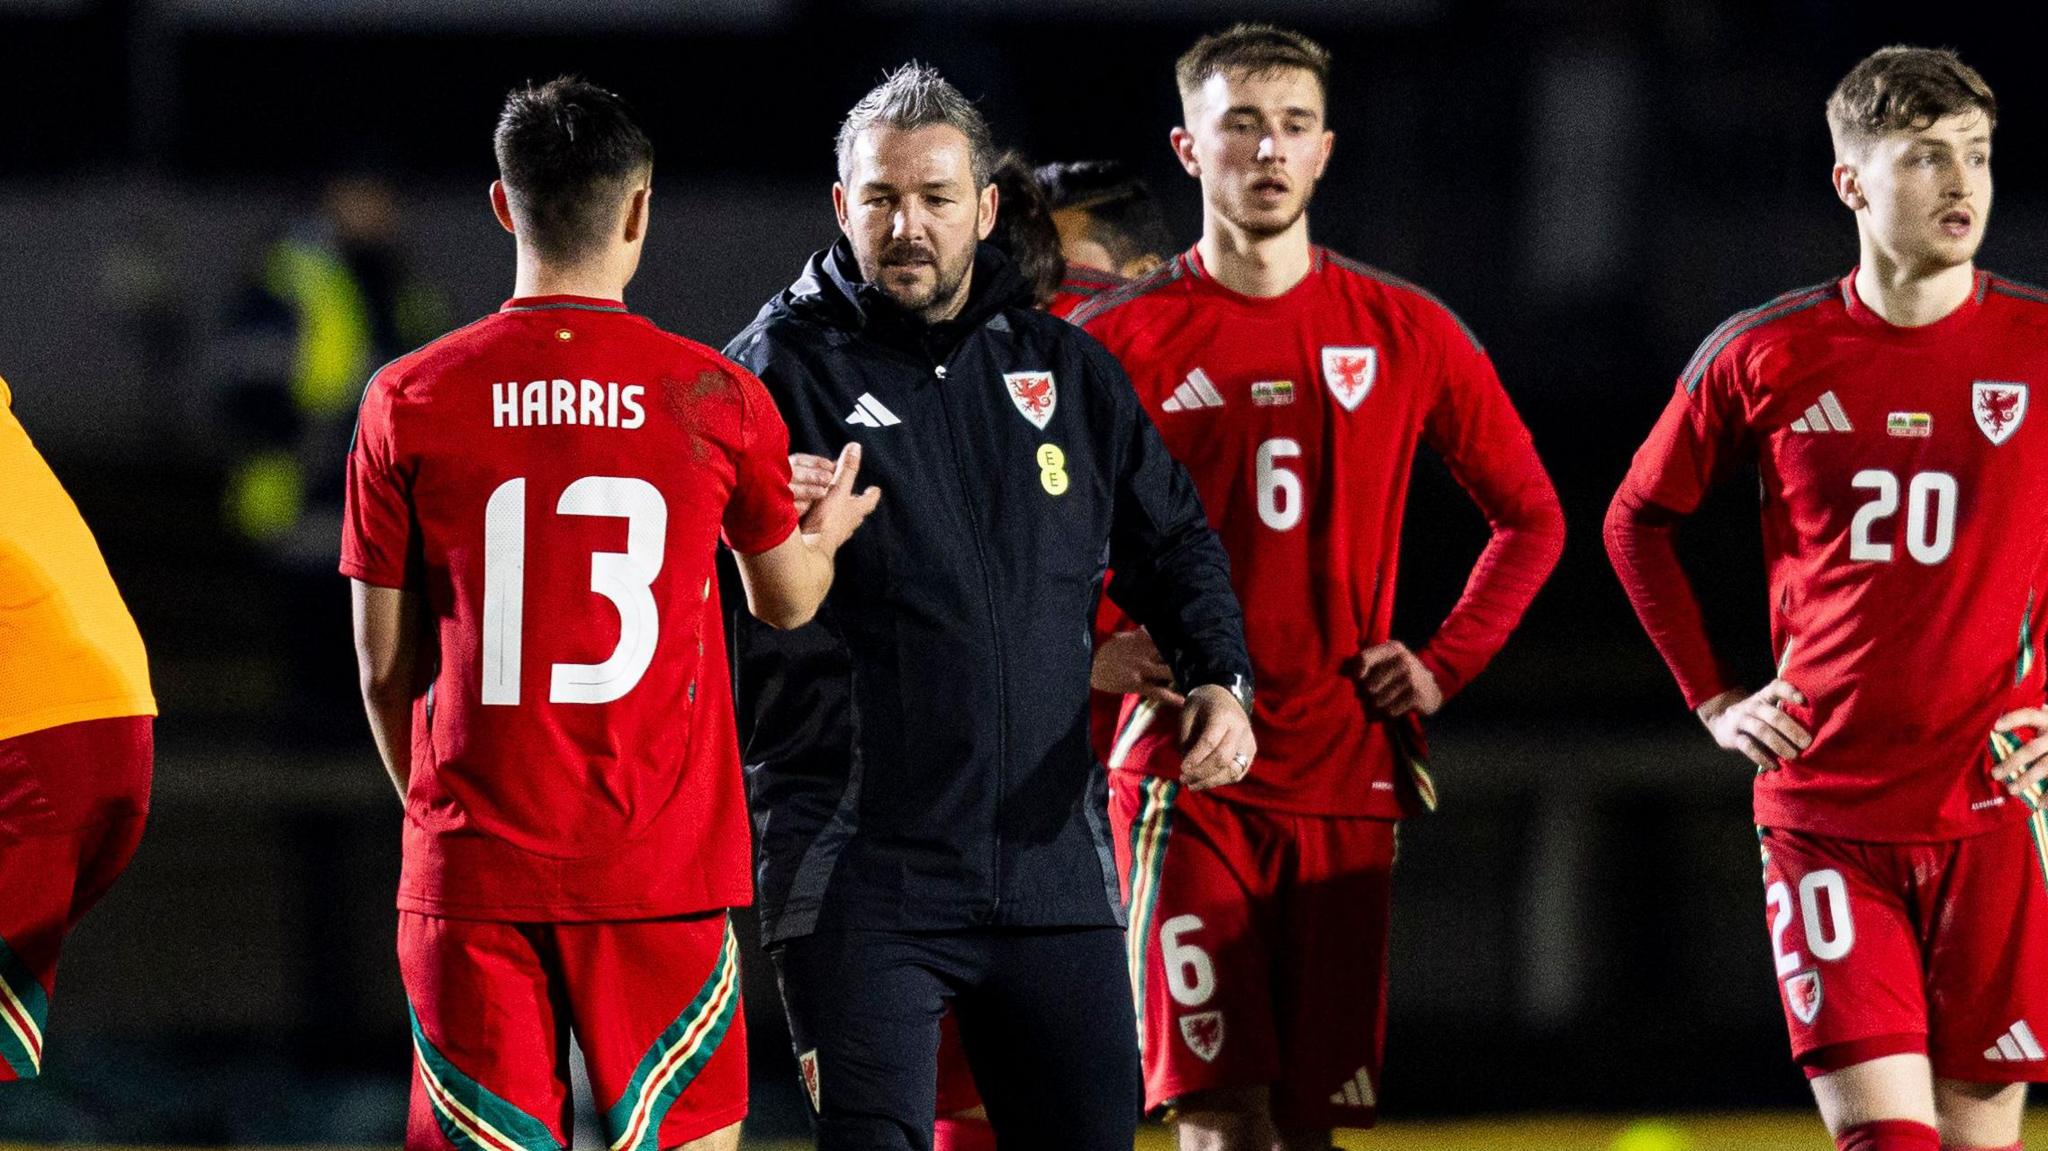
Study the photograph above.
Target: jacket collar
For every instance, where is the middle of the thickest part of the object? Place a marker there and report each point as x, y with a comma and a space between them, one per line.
832, 291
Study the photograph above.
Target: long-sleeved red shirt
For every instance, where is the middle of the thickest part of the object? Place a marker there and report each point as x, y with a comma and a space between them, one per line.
1905, 516
1299, 417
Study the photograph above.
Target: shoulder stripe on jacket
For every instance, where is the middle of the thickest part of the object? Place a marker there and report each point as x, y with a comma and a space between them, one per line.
1385, 277
1788, 304
1158, 278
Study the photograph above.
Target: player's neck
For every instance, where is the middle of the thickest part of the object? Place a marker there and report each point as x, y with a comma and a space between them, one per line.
1909, 296
1251, 265
593, 279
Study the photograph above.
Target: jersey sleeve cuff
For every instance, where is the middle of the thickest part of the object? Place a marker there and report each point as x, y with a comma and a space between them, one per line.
754, 543
361, 572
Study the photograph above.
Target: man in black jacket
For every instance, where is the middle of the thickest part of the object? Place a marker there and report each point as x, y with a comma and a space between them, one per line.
931, 822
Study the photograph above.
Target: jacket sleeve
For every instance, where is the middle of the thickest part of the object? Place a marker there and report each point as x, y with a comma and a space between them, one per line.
1169, 571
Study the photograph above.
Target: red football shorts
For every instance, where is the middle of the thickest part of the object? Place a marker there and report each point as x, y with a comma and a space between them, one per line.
1258, 949
654, 1003
72, 803
1895, 948
957, 1092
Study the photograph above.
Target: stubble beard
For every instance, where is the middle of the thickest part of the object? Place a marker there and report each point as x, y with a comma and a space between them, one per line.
942, 300
1263, 226
938, 302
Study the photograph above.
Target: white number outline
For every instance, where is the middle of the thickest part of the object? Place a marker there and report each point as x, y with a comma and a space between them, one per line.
1177, 956
625, 578
1779, 898
1823, 947
1274, 481
1929, 496
1886, 485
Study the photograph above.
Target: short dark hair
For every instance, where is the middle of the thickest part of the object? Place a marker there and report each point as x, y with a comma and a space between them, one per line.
916, 96
1904, 89
1123, 215
1024, 229
568, 152
1253, 49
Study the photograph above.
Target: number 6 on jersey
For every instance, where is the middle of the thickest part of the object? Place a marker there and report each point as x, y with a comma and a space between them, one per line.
625, 578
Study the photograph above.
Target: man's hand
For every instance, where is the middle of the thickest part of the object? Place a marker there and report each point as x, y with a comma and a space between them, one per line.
834, 515
2025, 771
1396, 682
1128, 663
1216, 741
810, 477
1757, 725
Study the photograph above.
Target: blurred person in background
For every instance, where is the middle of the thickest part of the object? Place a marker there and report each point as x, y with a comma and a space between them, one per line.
1297, 386
930, 820
533, 506
1112, 229
324, 306
76, 736
1024, 229
1898, 751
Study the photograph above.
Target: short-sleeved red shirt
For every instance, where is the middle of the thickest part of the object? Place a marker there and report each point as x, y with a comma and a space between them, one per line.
554, 480
1905, 516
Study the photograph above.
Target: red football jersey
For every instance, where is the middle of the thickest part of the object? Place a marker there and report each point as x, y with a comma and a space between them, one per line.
553, 480
1905, 514
1080, 285
1299, 417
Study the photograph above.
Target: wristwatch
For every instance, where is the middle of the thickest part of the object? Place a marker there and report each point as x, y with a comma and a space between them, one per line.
1240, 689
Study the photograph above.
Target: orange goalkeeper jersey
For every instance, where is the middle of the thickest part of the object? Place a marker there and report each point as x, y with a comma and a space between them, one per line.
69, 651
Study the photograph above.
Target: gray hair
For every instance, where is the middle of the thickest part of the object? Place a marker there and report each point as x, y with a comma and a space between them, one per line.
916, 96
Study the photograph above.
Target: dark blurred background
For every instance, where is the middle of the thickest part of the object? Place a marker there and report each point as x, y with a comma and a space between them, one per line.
1593, 185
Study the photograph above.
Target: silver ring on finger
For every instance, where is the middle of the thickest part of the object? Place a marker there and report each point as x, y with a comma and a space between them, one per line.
1241, 760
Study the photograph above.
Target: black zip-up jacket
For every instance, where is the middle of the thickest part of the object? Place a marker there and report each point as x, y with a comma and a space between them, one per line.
917, 757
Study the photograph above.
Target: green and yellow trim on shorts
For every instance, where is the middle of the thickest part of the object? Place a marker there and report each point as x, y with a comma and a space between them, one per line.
681, 1051
24, 1009
1149, 833
470, 1115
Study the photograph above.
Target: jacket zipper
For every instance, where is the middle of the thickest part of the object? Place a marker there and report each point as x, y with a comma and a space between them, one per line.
996, 645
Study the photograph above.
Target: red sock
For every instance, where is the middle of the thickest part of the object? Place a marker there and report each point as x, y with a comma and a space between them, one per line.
954, 1133
1889, 1135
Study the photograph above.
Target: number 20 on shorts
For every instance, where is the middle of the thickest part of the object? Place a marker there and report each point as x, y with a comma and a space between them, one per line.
1829, 940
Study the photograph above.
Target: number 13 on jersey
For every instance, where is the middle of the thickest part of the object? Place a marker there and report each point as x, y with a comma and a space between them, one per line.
625, 578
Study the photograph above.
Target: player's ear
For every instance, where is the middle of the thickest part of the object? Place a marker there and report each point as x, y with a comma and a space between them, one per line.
985, 211
839, 209
637, 208
1183, 142
501, 207
1323, 154
1848, 187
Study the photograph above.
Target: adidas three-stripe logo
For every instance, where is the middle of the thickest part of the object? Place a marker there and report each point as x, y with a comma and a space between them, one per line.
1194, 393
1824, 415
1357, 1092
868, 412
2017, 1045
